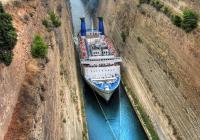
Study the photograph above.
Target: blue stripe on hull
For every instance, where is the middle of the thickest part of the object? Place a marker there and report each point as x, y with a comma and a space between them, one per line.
101, 88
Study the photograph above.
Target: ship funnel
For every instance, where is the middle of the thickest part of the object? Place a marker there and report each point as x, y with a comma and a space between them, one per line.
83, 27
101, 26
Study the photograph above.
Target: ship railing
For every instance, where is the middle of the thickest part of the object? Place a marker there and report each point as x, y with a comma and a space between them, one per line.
103, 79
101, 61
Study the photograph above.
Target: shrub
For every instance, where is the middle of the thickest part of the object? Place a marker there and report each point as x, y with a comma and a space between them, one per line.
39, 48
64, 121
157, 4
47, 24
167, 11
54, 19
144, 1
139, 39
8, 34
123, 36
176, 20
6, 57
190, 20
31, 14
8, 37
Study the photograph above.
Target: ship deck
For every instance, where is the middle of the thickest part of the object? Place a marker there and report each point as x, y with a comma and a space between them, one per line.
95, 45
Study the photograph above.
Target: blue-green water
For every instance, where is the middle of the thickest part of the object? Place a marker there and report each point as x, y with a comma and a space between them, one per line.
123, 122
115, 120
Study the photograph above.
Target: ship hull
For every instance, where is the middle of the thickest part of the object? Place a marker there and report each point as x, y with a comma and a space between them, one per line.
106, 95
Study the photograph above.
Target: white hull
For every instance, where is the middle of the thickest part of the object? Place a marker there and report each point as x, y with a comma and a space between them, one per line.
100, 62
106, 95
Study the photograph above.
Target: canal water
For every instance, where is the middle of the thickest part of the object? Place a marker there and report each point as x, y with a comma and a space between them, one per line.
115, 120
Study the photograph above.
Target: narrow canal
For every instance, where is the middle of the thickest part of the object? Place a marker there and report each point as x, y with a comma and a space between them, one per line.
115, 120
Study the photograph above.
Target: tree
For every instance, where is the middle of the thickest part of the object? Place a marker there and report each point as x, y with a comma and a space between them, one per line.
8, 34
6, 57
190, 20
8, 37
39, 48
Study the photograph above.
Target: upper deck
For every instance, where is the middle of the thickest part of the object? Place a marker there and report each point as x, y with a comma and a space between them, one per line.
94, 45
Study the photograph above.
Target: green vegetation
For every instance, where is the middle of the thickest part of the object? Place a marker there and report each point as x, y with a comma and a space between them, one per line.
157, 4
139, 39
1, 8
47, 23
8, 37
31, 14
6, 57
147, 122
52, 21
176, 20
190, 20
144, 1
167, 11
145, 118
39, 48
123, 36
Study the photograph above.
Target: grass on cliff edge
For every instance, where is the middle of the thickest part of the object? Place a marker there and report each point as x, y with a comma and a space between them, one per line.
145, 118
147, 122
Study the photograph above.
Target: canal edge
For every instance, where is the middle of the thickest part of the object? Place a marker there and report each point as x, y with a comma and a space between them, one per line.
80, 81
137, 111
85, 130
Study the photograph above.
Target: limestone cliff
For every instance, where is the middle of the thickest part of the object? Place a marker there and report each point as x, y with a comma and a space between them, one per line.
40, 99
160, 63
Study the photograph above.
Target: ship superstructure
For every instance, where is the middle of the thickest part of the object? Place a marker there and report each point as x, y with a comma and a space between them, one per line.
100, 63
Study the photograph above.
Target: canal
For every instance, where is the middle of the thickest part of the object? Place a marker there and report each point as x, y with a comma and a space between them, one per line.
115, 120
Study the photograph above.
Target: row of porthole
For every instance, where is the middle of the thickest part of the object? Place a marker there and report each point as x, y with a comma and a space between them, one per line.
101, 70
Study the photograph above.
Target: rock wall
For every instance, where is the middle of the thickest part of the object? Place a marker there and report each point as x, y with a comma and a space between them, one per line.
160, 64
11, 77
46, 96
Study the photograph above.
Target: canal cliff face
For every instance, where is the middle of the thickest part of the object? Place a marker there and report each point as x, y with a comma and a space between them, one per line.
40, 99
160, 63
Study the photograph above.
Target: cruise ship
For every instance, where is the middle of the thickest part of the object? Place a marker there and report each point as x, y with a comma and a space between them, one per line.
100, 62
